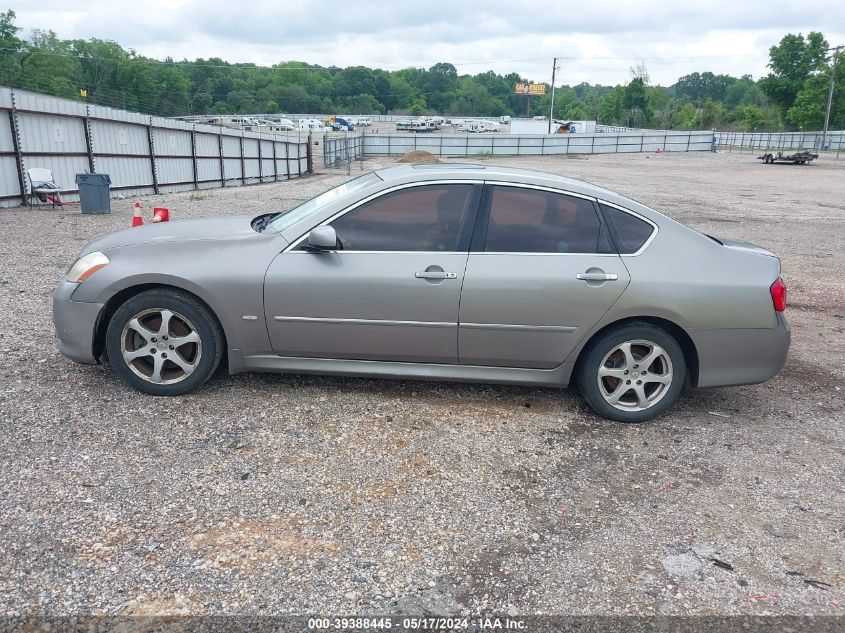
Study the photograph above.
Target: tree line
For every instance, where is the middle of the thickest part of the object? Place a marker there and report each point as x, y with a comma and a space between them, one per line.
792, 96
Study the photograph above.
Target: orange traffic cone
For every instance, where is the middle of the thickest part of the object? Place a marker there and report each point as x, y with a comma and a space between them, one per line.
160, 214
137, 219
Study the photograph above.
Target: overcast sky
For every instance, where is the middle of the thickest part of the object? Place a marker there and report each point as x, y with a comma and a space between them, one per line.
599, 39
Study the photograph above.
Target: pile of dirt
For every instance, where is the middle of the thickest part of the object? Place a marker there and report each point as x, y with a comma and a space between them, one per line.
418, 157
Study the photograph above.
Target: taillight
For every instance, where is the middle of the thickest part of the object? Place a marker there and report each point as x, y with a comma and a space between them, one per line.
778, 291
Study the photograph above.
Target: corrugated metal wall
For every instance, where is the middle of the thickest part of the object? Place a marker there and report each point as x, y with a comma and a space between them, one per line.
141, 154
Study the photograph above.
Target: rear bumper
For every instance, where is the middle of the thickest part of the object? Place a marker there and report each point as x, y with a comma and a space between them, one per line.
75, 322
742, 356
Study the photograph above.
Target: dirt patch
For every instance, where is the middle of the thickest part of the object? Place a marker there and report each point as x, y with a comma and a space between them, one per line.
418, 157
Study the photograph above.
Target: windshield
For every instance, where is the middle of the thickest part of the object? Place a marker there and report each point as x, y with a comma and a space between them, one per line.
287, 219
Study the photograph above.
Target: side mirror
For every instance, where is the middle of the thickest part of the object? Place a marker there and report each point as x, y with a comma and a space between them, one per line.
322, 238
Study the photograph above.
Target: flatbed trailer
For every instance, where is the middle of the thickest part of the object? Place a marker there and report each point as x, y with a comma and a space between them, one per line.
798, 158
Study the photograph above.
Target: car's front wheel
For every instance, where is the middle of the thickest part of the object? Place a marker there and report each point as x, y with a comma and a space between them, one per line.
164, 342
632, 373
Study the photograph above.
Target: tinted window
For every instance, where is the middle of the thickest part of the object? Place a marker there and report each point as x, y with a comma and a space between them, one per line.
425, 218
629, 232
533, 221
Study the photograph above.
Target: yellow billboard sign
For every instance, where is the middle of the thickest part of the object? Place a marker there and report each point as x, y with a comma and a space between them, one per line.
529, 89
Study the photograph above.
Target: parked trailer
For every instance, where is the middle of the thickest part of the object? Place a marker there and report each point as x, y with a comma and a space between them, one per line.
798, 158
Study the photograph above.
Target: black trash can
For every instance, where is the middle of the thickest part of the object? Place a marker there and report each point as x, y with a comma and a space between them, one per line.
94, 193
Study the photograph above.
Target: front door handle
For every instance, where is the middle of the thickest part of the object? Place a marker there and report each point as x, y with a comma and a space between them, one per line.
596, 276
435, 274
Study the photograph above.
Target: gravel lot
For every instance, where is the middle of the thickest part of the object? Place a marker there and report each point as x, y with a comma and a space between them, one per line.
268, 494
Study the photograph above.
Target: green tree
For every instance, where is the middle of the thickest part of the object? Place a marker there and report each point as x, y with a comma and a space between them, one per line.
808, 109
363, 104
685, 116
698, 87
793, 61
10, 49
439, 85
611, 107
635, 102
47, 66
750, 117
713, 114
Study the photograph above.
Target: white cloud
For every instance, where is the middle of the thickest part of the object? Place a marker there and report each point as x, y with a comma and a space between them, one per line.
598, 40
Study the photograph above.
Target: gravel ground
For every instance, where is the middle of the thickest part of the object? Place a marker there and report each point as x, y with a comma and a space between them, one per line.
269, 494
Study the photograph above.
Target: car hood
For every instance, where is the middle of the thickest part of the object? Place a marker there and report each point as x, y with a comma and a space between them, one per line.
228, 227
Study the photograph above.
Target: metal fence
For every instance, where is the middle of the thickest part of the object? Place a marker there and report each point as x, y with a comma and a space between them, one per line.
779, 141
142, 154
535, 144
341, 149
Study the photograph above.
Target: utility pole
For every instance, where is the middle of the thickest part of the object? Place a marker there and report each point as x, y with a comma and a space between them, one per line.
552, 107
835, 50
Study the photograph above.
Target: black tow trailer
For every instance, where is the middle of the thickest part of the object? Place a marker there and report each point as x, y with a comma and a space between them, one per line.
798, 158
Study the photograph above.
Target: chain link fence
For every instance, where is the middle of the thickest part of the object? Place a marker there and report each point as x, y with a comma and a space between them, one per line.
781, 141
340, 150
465, 145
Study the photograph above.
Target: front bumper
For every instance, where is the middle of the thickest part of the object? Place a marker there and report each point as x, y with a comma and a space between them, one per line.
741, 356
75, 322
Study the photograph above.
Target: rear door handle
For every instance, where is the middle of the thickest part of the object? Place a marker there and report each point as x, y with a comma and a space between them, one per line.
435, 274
596, 276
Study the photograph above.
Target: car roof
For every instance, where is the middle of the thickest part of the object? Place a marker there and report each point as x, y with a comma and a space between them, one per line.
469, 171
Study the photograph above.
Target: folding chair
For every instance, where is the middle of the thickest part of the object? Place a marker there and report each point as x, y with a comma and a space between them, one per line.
42, 187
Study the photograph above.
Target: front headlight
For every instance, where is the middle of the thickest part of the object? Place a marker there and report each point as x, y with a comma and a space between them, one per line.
86, 266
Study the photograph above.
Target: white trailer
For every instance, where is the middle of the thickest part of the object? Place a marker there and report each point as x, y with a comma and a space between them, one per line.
470, 126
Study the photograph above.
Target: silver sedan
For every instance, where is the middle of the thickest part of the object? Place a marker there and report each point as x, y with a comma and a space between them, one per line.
441, 272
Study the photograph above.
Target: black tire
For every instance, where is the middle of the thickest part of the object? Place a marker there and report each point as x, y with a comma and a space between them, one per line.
188, 314
664, 395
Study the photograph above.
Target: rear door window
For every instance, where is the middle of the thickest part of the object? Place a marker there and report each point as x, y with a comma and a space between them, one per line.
629, 232
534, 221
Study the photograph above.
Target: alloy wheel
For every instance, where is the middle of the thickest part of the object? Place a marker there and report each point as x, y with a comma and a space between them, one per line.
161, 346
635, 375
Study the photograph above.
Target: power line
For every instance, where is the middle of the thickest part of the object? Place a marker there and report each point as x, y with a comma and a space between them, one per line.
317, 68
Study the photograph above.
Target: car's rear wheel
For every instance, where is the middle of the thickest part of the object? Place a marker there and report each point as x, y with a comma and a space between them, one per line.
164, 342
632, 373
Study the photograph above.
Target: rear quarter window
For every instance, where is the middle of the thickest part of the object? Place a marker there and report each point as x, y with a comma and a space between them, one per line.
629, 232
